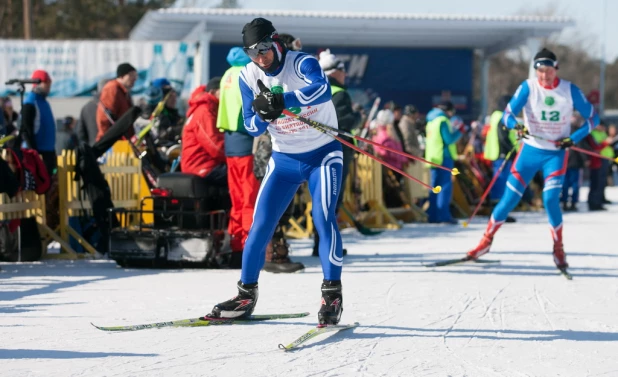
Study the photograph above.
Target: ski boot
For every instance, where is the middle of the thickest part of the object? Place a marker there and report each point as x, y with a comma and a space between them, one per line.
483, 247
559, 255
332, 303
241, 306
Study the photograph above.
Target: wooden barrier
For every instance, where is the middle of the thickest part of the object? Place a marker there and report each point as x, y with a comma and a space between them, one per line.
28, 204
123, 174
369, 176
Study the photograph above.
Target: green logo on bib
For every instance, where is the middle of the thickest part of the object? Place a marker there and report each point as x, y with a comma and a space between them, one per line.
549, 100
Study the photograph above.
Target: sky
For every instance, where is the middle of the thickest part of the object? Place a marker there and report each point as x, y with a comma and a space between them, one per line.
588, 14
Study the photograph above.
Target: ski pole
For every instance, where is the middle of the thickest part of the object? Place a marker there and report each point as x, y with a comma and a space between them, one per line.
491, 184
580, 150
320, 127
155, 113
6, 138
453, 171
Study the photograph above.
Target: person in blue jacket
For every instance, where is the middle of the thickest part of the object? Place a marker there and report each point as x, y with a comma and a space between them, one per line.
440, 149
38, 123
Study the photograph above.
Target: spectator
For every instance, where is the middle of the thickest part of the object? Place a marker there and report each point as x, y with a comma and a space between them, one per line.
169, 126
10, 116
39, 125
386, 136
203, 152
87, 124
596, 143
612, 131
408, 126
441, 150
239, 155
115, 99
38, 130
573, 176
392, 181
601, 137
66, 138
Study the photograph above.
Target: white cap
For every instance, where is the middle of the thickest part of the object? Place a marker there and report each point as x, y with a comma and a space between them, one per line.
329, 62
385, 117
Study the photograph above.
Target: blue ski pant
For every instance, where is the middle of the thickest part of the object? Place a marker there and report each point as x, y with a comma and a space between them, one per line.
530, 160
322, 168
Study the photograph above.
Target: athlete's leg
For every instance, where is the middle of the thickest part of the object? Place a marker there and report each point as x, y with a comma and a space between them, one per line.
526, 164
554, 170
279, 185
325, 185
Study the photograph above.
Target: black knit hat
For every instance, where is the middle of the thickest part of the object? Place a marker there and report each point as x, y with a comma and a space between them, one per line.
446, 105
257, 30
213, 84
124, 69
545, 58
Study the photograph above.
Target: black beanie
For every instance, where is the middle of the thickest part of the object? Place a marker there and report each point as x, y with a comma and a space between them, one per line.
124, 69
546, 58
256, 30
213, 84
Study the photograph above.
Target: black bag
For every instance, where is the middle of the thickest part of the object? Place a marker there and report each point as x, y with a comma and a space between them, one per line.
9, 183
31, 247
98, 191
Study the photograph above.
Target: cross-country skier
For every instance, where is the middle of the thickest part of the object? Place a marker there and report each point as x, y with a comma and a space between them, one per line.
275, 80
547, 105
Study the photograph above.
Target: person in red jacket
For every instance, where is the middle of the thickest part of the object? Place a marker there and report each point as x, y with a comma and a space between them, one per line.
202, 144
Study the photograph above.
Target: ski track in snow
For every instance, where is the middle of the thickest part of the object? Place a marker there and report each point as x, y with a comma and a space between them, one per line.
519, 318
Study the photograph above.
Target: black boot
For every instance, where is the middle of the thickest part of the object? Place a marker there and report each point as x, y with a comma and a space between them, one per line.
241, 306
235, 260
277, 258
332, 303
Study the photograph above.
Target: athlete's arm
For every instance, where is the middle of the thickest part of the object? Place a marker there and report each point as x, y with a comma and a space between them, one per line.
515, 106
585, 108
254, 125
317, 90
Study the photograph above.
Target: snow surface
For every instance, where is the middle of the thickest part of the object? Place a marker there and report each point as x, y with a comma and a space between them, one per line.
518, 318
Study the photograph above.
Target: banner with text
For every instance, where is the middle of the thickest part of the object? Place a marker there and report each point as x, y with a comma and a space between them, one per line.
76, 67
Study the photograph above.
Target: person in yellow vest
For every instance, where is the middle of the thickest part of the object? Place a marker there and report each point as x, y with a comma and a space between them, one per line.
239, 155
440, 149
599, 142
498, 143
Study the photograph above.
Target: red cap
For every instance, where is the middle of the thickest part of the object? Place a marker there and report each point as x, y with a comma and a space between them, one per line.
42, 75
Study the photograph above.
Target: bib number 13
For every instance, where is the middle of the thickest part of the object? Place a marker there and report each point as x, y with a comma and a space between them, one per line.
552, 116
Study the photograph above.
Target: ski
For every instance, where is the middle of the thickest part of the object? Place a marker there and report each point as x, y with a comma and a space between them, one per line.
201, 321
457, 261
565, 273
320, 329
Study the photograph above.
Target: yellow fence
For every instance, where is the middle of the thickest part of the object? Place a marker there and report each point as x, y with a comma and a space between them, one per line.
123, 173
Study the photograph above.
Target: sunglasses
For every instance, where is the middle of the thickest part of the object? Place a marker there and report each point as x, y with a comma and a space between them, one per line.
260, 48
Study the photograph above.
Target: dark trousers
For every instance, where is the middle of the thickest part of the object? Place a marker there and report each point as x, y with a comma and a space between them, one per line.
571, 181
595, 196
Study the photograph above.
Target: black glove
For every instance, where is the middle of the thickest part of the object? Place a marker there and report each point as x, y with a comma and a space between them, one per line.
522, 131
268, 105
565, 143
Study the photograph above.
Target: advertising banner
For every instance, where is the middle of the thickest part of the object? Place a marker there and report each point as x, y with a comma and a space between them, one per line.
77, 66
